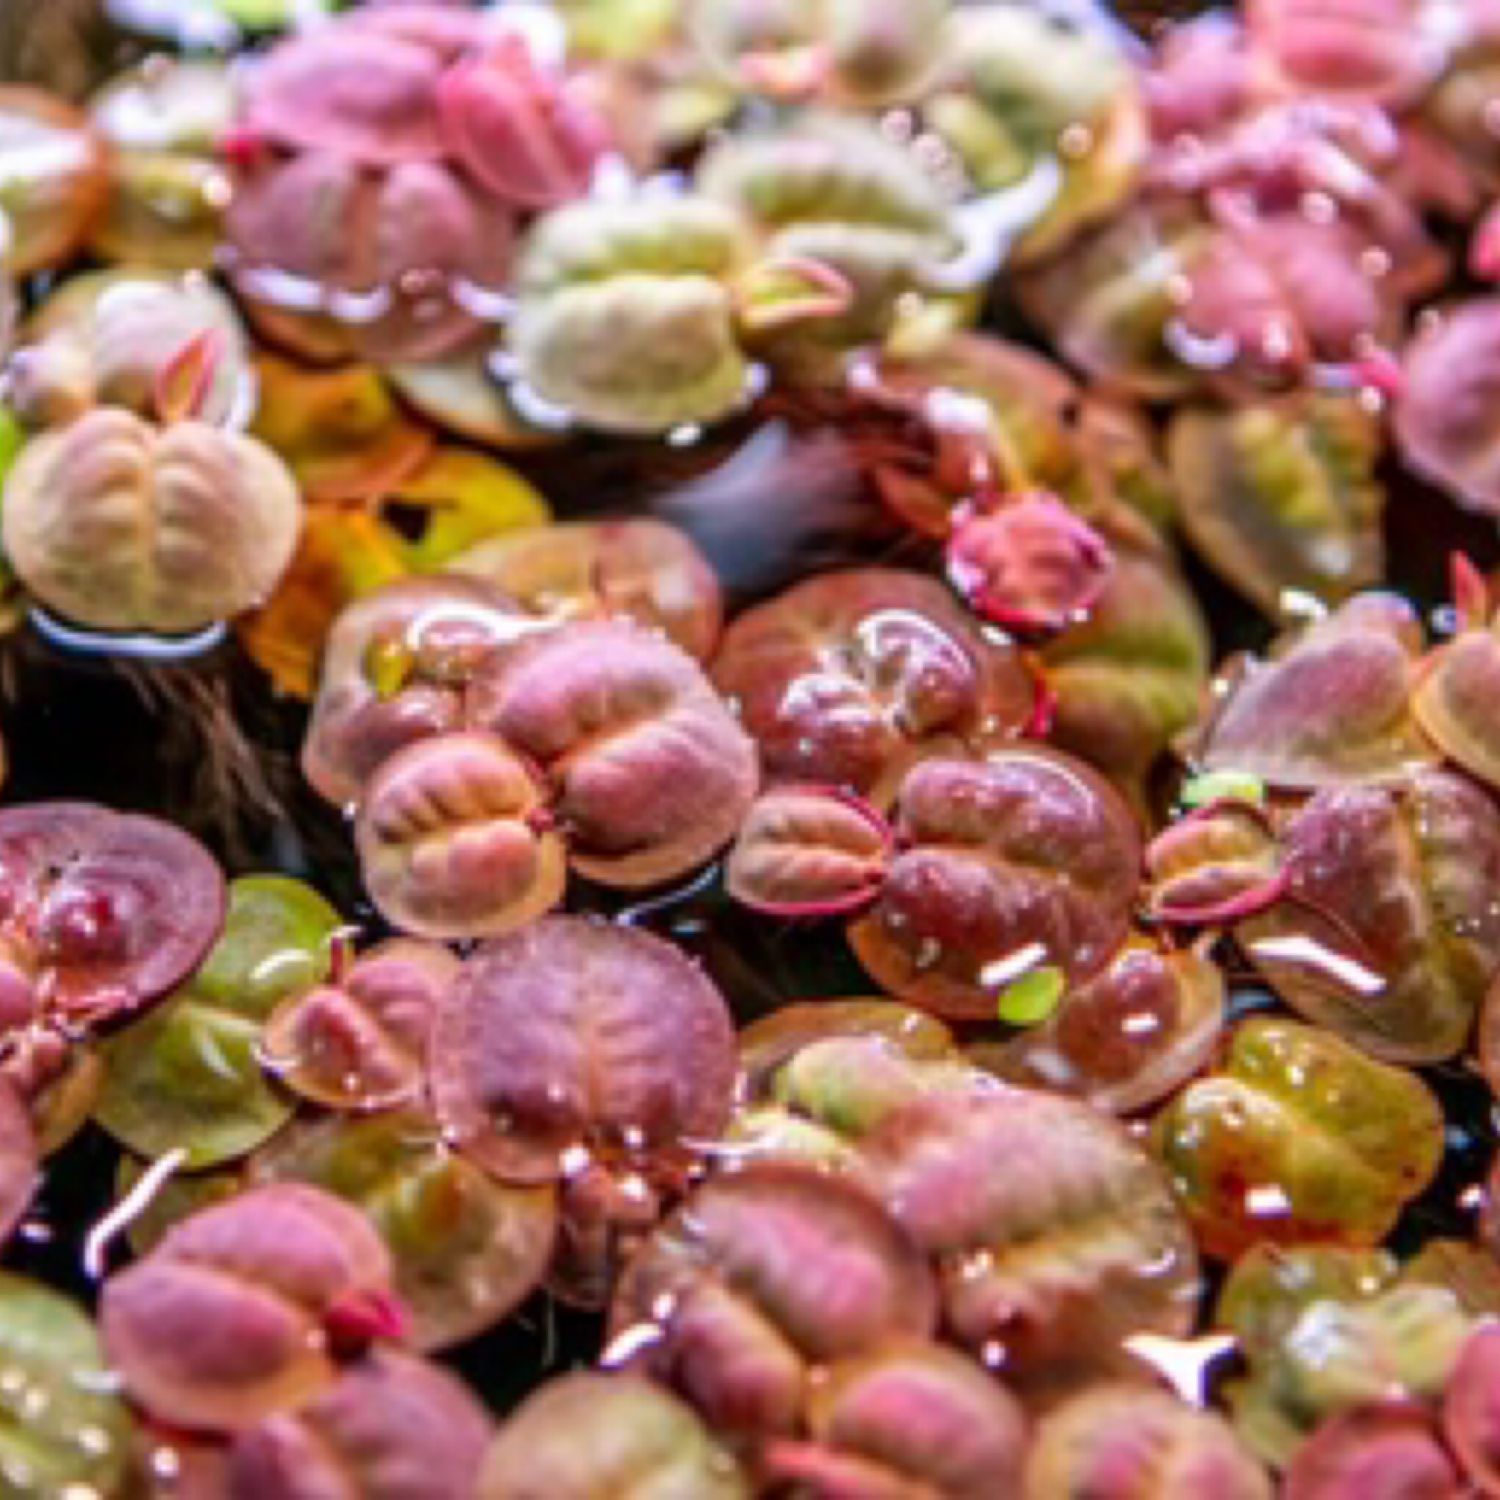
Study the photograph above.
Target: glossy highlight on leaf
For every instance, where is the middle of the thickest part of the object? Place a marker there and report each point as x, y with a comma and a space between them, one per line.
1025, 859
850, 677
1334, 705
1391, 936
360, 1042
1270, 1286
1124, 1039
393, 672
1338, 1357
103, 912
1298, 1139
636, 569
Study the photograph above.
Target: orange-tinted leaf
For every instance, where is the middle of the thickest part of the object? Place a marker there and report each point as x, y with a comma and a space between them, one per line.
345, 552
467, 497
339, 431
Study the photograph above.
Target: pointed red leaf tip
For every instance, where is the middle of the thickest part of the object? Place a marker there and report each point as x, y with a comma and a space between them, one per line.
1470, 593
541, 820
361, 1318
922, 488
183, 383
517, 129
244, 147
1043, 716
1379, 370
1028, 564
341, 955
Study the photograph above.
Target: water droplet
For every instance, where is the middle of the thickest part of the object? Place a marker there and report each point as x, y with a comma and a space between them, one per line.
1267, 1201
1075, 141
1319, 208
929, 951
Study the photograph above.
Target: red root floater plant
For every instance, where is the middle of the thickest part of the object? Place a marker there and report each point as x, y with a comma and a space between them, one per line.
1222, 863
986, 871
1015, 553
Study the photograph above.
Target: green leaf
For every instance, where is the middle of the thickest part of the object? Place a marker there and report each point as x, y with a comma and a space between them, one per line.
62, 1432
188, 1075
1029, 1000
466, 1246
1223, 786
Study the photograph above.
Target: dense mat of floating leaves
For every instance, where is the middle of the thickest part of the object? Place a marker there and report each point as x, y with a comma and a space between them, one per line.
1150, 1163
